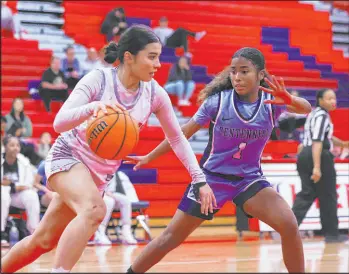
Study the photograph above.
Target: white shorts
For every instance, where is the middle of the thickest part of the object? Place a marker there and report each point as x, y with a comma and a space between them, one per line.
62, 158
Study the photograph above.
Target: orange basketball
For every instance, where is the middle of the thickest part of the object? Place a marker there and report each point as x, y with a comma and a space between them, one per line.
112, 136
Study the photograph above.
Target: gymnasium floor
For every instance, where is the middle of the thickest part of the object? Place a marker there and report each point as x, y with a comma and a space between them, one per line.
215, 256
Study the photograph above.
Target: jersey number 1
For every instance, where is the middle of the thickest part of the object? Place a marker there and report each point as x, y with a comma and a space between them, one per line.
237, 155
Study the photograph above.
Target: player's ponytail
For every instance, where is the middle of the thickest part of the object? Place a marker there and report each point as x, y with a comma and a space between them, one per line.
111, 53
263, 82
219, 83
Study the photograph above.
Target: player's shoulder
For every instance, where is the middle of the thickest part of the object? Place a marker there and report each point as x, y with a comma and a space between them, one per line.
155, 87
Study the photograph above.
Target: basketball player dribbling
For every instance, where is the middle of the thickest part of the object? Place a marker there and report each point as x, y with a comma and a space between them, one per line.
241, 119
77, 175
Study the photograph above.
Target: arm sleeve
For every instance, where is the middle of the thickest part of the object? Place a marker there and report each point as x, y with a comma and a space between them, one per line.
174, 135
207, 110
80, 105
319, 129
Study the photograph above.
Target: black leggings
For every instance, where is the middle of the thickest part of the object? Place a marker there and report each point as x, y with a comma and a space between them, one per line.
48, 94
179, 39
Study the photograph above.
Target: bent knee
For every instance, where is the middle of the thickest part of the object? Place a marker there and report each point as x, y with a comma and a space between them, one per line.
288, 226
94, 212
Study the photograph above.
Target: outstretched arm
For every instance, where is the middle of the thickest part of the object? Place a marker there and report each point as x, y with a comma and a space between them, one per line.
176, 139
188, 130
282, 97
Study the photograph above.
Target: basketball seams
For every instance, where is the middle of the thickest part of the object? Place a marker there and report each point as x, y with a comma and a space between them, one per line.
124, 138
97, 119
105, 134
134, 126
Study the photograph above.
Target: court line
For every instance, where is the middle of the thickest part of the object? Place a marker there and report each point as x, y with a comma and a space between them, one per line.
195, 262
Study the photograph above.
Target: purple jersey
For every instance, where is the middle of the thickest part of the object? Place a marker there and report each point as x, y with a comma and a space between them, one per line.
238, 133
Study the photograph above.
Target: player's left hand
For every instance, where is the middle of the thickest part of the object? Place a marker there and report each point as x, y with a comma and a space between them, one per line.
207, 199
138, 161
281, 95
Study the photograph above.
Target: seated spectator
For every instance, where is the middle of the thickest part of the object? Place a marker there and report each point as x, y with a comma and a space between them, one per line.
9, 22
92, 61
40, 181
44, 145
53, 84
3, 131
114, 24
289, 122
71, 67
17, 186
18, 124
115, 199
175, 38
180, 82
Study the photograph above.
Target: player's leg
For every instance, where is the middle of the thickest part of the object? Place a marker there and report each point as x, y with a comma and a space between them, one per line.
44, 238
80, 193
186, 219
268, 206
180, 227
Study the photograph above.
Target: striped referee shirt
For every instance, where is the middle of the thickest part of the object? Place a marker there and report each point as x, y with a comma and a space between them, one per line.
318, 127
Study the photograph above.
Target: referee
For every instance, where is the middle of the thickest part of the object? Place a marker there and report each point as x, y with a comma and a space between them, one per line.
315, 167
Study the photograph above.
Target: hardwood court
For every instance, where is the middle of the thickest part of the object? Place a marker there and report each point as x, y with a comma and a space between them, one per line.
254, 256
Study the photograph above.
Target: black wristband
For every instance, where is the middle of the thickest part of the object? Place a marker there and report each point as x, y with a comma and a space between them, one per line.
196, 189
13, 188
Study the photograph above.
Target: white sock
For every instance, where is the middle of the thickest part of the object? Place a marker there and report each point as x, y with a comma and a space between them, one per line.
59, 270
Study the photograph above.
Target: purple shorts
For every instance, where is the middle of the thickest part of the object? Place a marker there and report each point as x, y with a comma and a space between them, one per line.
224, 190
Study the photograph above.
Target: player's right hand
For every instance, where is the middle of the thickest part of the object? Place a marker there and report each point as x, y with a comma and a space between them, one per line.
207, 199
138, 161
103, 106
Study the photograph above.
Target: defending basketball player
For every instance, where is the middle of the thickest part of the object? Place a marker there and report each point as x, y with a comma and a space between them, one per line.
241, 119
77, 175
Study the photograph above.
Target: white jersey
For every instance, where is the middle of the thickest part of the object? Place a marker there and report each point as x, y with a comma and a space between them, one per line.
104, 85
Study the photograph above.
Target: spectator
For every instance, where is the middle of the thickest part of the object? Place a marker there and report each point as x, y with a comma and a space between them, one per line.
9, 21
115, 199
180, 81
18, 124
44, 144
53, 84
71, 67
3, 131
92, 61
17, 186
40, 181
175, 38
114, 24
